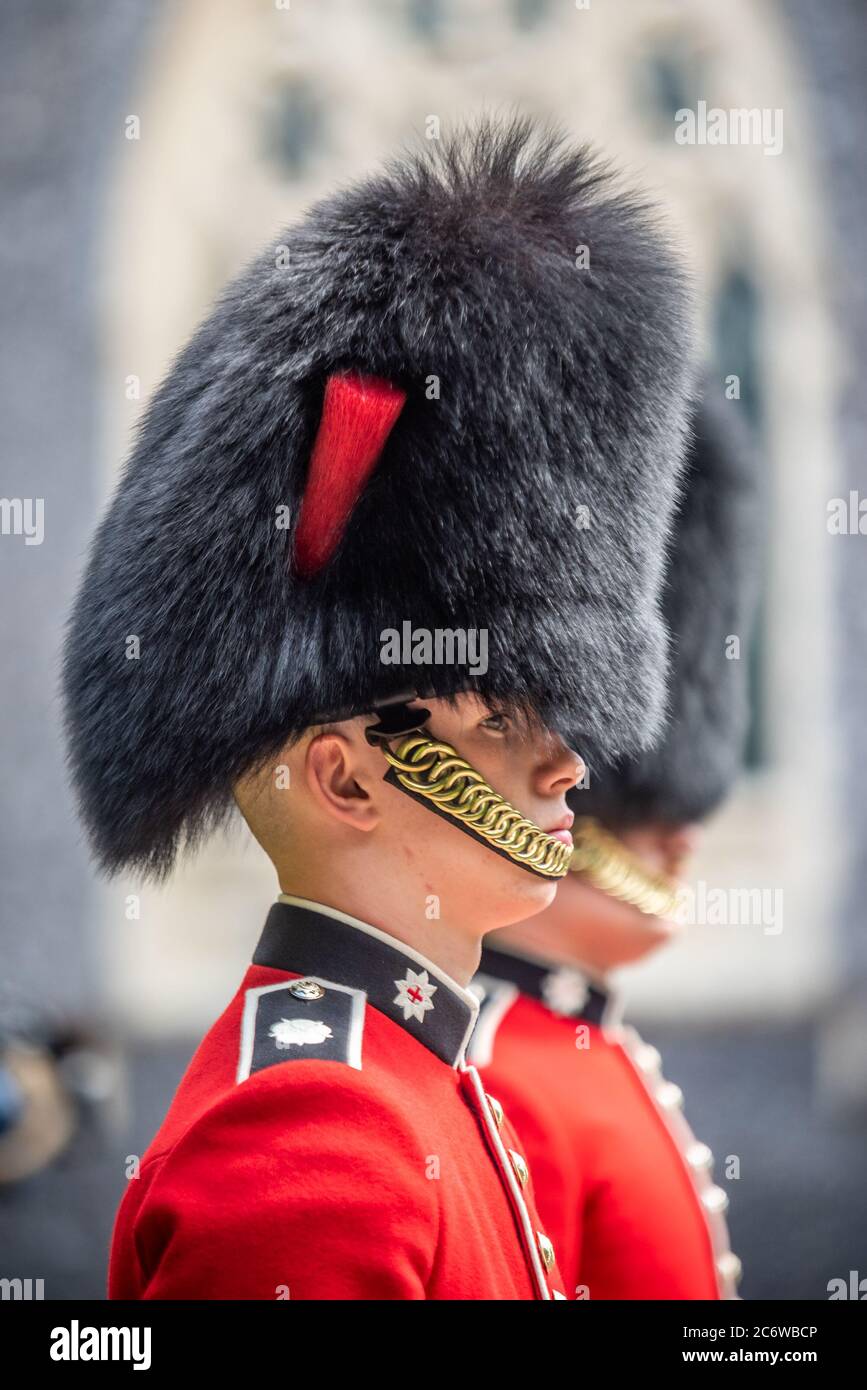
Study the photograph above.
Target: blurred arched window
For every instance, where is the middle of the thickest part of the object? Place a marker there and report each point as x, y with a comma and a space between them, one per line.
295, 128
734, 350
527, 14
426, 18
669, 77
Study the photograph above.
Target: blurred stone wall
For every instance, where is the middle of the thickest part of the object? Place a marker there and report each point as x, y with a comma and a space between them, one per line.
65, 74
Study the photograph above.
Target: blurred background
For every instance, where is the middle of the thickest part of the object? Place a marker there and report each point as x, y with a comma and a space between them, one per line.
148, 149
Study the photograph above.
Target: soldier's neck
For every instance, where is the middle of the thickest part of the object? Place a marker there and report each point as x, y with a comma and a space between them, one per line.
538, 939
400, 910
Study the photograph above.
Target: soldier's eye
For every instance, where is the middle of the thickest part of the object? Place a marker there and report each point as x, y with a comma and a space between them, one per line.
496, 723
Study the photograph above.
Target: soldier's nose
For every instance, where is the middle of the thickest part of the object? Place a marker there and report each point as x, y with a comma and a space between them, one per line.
562, 770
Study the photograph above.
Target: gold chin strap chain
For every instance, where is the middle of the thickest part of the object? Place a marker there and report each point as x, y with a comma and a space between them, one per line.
436, 772
608, 865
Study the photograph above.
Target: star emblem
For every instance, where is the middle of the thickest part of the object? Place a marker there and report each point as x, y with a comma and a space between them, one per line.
299, 1032
565, 991
414, 995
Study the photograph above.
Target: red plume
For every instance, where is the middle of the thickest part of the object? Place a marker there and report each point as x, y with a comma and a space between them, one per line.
358, 414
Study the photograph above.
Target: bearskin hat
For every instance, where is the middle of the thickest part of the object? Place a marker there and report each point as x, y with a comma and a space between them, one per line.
709, 603
451, 398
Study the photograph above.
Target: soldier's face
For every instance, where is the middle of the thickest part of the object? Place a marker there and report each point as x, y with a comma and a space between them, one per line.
599, 931
530, 767
664, 849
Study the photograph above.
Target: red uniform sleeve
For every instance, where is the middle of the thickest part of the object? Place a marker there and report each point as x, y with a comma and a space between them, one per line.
301, 1186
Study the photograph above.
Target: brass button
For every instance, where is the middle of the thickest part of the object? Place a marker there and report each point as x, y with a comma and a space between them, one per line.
648, 1060
496, 1109
546, 1249
729, 1267
669, 1096
306, 989
520, 1167
699, 1157
715, 1201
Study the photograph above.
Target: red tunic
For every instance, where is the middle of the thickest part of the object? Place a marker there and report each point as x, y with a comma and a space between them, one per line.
624, 1187
329, 1141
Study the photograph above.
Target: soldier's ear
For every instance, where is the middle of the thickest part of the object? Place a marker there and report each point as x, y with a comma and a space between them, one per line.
337, 776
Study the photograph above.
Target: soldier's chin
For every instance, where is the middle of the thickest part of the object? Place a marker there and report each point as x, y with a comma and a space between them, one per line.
532, 892
621, 933
486, 886
645, 933
647, 923
662, 928
628, 917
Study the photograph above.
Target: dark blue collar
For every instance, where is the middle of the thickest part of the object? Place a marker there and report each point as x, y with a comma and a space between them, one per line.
563, 989
307, 938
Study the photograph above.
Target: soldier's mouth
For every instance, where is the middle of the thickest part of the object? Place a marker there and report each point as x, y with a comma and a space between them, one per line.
563, 829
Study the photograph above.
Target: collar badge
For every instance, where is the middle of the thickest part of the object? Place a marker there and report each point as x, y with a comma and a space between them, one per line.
565, 991
414, 995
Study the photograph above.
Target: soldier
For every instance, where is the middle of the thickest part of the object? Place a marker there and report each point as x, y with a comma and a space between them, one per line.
625, 1188
346, 544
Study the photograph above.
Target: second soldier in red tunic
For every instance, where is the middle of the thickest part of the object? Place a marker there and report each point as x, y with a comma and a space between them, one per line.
625, 1187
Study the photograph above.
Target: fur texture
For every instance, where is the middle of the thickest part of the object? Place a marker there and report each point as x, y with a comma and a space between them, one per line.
559, 389
710, 595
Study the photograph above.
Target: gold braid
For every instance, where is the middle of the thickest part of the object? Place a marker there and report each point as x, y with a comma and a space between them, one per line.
436, 772
608, 865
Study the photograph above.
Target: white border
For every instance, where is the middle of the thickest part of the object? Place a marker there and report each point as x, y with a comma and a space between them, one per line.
511, 1180
251, 1006
502, 996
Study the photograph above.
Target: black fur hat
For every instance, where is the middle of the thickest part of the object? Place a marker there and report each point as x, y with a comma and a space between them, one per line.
527, 330
709, 598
